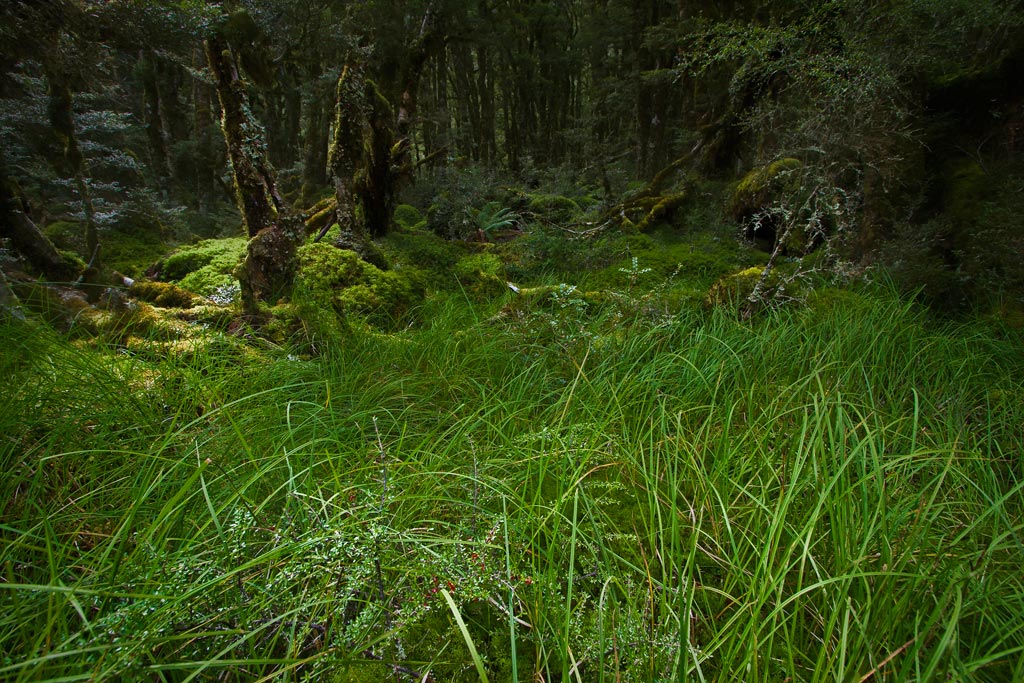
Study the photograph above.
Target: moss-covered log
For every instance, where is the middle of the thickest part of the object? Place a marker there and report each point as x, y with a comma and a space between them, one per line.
26, 237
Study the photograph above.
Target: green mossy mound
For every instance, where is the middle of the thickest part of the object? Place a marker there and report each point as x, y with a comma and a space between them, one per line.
444, 265
205, 267
222, 254
128, 252
481, 276
699, 261
131, 253
338, 280
163, 294
732, 290
408, 217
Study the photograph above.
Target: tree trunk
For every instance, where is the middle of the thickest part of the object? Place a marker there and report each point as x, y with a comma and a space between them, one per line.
160, 157
314, 154
347, 148
273, 232
61, 113
26, 237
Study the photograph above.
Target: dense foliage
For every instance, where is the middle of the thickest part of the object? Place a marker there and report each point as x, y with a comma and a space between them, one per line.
560, 340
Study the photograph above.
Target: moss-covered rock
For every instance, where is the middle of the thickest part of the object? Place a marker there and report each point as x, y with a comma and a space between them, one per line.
732, 290
757, 191
337, 279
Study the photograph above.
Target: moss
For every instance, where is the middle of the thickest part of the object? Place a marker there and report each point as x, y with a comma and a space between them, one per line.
425, 250
698, 262
221, 255
67, 236
208, 281
826, 300
408, 217
162, 294
131, 253
481, 276
73, 263
966, 186
338, 280
732, 290
555, 208
662, 210
760, 186
135, 320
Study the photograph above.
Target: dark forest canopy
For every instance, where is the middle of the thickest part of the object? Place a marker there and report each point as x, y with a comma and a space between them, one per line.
894, 121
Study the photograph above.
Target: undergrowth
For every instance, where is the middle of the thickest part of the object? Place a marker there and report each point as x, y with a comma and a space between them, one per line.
830, 493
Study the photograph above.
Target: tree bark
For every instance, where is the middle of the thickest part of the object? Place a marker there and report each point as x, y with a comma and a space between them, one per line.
346, 148
270, 261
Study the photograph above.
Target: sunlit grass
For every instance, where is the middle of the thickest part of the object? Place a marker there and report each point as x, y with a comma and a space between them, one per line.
823, 494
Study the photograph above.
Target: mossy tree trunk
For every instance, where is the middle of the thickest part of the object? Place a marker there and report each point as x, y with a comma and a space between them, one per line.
270, 262
343, 158
369, 154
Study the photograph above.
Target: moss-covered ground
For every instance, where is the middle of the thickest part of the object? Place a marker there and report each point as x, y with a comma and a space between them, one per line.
560, 457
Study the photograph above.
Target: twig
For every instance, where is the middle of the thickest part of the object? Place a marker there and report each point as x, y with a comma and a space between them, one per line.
893, 655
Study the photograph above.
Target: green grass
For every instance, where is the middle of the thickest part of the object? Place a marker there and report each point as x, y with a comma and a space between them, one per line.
823, 494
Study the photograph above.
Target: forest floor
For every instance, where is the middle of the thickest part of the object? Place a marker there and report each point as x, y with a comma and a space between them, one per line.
479, 466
